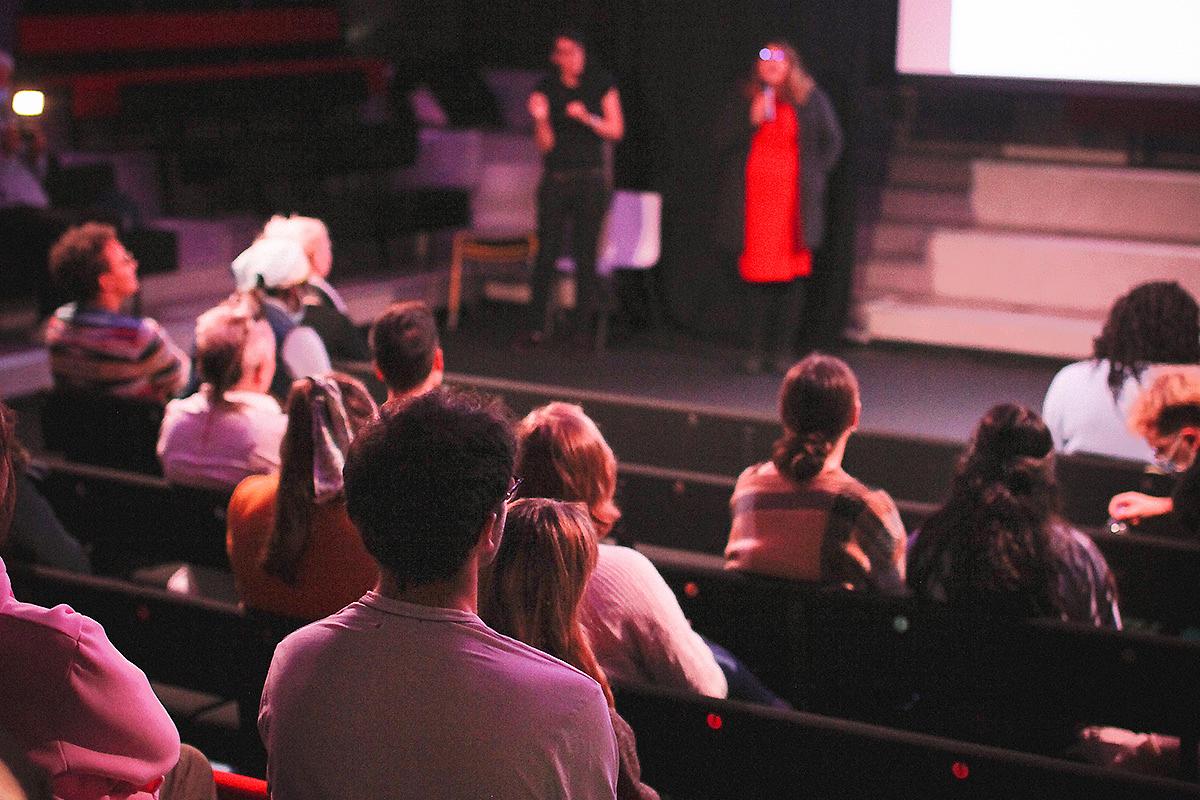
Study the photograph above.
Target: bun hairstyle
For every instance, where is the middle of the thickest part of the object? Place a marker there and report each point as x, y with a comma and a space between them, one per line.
992, 541
222, 336
818, 402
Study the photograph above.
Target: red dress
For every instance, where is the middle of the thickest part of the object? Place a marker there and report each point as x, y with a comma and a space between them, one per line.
774, 245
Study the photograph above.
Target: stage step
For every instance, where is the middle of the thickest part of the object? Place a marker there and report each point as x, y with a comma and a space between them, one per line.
926, 206
925, 321
208, 243
920, 170
886, 239
886, 275
1085, 274
1102, 201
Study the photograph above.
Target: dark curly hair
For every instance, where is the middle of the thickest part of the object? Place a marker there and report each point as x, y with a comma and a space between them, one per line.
421, 481
817, 403
990, 545
1155, 323
77, 260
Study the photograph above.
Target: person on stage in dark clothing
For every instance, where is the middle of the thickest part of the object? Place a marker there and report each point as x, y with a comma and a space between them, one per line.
776, 143
575, 110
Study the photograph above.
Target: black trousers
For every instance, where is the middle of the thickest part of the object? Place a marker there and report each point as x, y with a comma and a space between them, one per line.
778, 309
575, 201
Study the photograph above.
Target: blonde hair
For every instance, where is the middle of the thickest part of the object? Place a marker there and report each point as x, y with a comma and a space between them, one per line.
798, 84
562, 455
230, 339
537, 580
1171, 388
309, 232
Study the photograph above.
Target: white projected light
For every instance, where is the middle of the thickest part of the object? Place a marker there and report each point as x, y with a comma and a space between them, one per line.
1100, 41
28, 103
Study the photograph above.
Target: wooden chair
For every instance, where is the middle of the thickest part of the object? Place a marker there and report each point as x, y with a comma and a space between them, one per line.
503, 226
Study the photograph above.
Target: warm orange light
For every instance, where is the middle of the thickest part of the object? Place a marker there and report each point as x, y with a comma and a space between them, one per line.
28, 103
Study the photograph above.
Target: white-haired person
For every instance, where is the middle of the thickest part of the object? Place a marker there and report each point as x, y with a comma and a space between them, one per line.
232, 427
324, 309
275, 273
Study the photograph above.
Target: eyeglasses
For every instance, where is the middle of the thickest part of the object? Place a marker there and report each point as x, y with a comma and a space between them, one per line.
771, 54
512, 490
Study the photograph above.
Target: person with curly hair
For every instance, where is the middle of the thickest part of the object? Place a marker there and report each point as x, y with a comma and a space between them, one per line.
1167, 416
1088, 401
999, 545
800, 515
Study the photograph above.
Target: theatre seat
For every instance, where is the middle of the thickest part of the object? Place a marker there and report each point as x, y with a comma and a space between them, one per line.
231, 786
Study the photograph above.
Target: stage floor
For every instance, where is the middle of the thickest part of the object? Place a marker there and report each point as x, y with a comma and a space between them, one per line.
911, 391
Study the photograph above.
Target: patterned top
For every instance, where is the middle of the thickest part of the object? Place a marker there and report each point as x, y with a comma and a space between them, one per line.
830, 529
1084, 586
96, 350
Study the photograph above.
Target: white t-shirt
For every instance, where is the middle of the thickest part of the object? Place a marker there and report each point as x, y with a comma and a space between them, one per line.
214, 448
387, 699
638, 630
1083, 417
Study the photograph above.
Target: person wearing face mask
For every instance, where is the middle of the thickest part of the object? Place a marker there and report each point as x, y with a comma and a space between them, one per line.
1167, 416
776, 143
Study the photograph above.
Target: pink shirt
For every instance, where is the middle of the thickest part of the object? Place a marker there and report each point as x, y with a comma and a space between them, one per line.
85, 715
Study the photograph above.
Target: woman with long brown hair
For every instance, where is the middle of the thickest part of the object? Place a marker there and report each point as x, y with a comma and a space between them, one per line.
292, 546
800, 515
776, 143
533, 591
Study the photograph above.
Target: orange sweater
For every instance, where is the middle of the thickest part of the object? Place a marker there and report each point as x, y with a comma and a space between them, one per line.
335, 569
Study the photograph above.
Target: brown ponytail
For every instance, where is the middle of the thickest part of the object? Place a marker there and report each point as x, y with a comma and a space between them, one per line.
817, 404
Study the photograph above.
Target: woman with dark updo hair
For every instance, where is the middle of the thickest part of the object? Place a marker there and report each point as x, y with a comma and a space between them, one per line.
800, 515
999, 545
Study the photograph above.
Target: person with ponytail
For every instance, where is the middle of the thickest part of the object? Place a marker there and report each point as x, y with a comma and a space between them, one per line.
231, 427
292, 546
799, 515
998, 544
533, 592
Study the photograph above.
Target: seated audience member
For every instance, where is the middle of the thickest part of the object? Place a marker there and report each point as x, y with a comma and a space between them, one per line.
998, 545
631, 616
406, 693
275, 273
324, 310
37, 536
1088, 402
20, 779
406, 350
232, 427
532, 593
93, 345
81, 713
799, 515
1167, 416
293, 549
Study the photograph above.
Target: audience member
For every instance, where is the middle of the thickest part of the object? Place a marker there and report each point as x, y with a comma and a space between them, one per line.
275, 272
93, 345
533, 591
1167, 416
1088, 402
998, 544
232, 427
406, 350
631, 616
406, 693
292, 546
36, 535
799, 515
324, 309
81, 713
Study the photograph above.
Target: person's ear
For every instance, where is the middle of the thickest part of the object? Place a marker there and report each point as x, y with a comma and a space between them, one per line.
491, 536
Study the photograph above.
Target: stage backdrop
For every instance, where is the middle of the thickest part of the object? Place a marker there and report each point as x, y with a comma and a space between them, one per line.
676, 62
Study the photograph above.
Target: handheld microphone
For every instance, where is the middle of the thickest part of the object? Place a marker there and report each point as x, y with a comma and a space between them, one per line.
768, 95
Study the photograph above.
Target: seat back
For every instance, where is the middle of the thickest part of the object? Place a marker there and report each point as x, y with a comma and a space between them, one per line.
505, 201
633, 232
102, 429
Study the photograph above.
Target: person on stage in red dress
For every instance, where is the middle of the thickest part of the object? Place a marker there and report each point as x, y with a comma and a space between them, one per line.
777, 143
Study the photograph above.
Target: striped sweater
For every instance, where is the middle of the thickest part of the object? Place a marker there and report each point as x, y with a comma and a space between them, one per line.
96, 350
830, 529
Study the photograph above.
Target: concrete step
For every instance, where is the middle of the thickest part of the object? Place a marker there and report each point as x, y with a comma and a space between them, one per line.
993, 329
1038, 270
885, 275
886, 239
918, 170
925, 206
1144, 204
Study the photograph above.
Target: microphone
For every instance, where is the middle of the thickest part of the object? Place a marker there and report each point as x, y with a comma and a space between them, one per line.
768, 95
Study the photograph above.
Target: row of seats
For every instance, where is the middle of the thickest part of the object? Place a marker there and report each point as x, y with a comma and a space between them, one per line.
700, 747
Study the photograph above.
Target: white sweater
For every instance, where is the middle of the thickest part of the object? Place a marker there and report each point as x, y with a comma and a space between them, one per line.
638, 630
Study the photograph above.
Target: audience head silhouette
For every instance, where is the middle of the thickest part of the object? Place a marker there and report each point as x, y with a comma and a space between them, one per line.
563, 456
819, 405
235, 349
92, 267
1155, 323
408, 354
